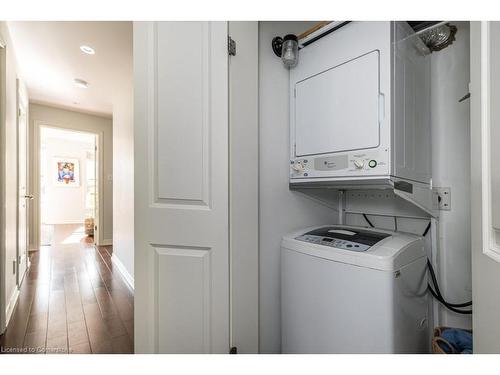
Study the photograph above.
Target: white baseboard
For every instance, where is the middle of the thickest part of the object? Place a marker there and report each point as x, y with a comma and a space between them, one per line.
11, 305
123, 271
106, 242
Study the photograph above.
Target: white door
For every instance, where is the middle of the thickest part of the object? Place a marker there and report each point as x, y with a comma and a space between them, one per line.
24, 196
181, 187
485, 184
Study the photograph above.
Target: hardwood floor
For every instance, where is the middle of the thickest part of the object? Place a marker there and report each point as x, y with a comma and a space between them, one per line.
72, 301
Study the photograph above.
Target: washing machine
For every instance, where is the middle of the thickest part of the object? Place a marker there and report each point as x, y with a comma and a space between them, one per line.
348, 289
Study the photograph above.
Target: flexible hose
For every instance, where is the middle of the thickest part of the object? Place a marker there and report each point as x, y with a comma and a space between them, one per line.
436, 293
368, 221
464, 312
426, 229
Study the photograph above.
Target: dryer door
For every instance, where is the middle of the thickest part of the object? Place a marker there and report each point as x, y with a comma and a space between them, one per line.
338, 109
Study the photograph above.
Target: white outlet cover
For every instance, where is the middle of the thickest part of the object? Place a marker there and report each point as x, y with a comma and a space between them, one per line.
445, 194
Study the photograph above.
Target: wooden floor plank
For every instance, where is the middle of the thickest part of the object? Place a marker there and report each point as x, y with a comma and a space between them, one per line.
72, 301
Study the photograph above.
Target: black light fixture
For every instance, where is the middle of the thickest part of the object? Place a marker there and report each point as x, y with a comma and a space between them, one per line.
287, 49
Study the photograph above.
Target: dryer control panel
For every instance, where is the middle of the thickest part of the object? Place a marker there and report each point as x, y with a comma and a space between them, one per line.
354, 163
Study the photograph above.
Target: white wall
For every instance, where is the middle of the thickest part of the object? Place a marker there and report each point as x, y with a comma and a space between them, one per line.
281, 210
65, 204
123, 187
63, 118
451, 168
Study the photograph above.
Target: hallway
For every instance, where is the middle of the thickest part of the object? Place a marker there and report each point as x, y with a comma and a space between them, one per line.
72, 301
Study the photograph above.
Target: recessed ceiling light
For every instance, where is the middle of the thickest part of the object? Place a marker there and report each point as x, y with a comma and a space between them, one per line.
81, 83
88, 50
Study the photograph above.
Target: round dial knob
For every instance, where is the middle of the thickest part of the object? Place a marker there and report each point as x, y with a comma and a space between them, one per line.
359, 164
298, 167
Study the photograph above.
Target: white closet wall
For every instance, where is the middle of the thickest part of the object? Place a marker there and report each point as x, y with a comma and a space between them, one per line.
451, 168
281, 210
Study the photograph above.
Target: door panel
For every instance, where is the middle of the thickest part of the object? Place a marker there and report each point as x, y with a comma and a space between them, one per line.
24, 197
182, 88
181, 187
182, 278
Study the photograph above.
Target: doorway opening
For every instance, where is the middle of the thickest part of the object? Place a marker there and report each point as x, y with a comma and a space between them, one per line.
68, 186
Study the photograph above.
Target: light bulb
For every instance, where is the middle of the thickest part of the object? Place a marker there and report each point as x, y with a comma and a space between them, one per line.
290, 51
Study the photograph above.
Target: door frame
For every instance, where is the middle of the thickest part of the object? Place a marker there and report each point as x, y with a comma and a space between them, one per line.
3, 74
244, 187
485, 254
22, 101
35, 173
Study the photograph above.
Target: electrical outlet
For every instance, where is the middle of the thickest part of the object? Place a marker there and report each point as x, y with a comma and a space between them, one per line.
444, 198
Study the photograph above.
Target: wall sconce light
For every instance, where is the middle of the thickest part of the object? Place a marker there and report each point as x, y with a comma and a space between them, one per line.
287, 48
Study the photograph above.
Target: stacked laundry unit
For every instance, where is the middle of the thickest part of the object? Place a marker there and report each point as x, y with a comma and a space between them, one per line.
359, 118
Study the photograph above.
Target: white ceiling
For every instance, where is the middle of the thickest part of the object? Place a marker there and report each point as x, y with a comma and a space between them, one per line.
49, 59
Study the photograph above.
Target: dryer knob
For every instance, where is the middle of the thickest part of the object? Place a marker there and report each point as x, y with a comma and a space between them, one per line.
359, 164
298, 167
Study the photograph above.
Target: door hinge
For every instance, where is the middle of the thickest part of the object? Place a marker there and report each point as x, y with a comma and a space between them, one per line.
231, 46
233, 350
14, 266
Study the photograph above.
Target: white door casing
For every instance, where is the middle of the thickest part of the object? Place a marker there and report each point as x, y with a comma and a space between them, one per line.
181, 187
244, 186
3, 261
22, 179
485, 193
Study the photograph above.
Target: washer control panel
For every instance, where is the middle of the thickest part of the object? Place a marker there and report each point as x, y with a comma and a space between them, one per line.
328, 241
343, 238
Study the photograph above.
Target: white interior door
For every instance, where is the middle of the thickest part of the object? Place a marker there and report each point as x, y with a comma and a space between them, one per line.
485, 187
181, 187
24, 196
